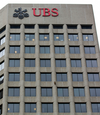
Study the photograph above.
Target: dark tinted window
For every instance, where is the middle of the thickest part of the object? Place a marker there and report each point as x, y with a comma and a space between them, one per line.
13, 91
0, 109
77, 76
73, 37
30, 91
30, 77
29, 37
13, 107
14, 63
43, 26
76, 63
46, 92
64, 107
61, 76
95, 107
86, 26
14, 76
57, 26
29, 62
60, 63
1, 79
74, 49
72, 26
44, 37
45, 76
88, 37
44, 49
62, 92
45, 63
29, 26
80, 108
79, 92
1, 93
89, 50
14, 37
30, 49
2, 29
15, 26
91, 63
14, 49
47, 108
30, 107
58, 37
93, 77
59, 49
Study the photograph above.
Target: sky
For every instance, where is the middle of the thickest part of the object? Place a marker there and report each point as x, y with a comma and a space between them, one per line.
95, 4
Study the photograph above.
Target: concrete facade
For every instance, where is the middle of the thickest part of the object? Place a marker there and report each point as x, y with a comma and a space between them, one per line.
68, 15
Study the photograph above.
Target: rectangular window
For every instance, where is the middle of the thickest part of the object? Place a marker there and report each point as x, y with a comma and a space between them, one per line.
2, 52
14, 26
72, 26
29, 37
2, 29
73, 37
44, 37
80, 108
2, 40
13, 107
64, 107
93, 77
1, 79
30, 77
13, 91
88, 37
1, 93
86, 26
1, 66
60, 63
29, 26
44, 49
0, 109
57, 26
74, 49
46, 92
14, 63
95, 107
59, 49
30, 107
30, 49
45, 63
62, 92
94, 92
29, 62
76, 63
47, 107
58, 37
14, 49
91, 63
14, 37
77, 76
43, 26
79, 92
89, 49
14, 77
61, 76
30, 91
45, 76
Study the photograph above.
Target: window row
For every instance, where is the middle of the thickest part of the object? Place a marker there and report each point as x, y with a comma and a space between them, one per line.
2, 53
58, 63
48, 107
45, 37
48, 77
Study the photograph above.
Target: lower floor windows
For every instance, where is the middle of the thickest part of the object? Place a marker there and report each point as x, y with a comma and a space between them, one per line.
47, 107
80, 108
30, 107
0, 109
13, 107
64, 107
95, 107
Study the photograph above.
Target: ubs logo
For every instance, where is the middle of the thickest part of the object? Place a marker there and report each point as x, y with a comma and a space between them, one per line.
20, 13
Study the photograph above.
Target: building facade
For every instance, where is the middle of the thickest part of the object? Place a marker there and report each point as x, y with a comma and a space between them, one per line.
49, 60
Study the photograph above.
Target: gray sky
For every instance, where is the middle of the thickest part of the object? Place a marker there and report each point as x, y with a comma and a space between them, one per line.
95, 4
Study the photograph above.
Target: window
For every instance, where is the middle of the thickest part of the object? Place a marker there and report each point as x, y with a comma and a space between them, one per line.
14, 26
57, 26
73, 37
2, 53
14, 49
76, 63
64, 107
2, 40
60, 63
59, 49
13, 107
30, 49
45, 63
45, 76
94, 91
1, 66
62, 92
30, 107
91, 63
29, 62
77, 76
79, 92
80, 108
14, 63
29, 26
86, 26
0, 109
58, 37
47, 108
93, 77
2, 29
14, 37
30, 91
88, 37
72, 26
89, 50
30, 77
14, 76
95, 107
13, 91
1, 79
61, 76
44, 37
74, 49
46, 92
1, 93
29, 37
43, 26
44, 49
